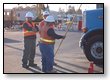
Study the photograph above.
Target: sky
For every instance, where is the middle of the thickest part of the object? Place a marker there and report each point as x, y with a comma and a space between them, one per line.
55, 7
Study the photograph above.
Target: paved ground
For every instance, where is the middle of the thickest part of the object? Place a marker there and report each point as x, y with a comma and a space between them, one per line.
70, 58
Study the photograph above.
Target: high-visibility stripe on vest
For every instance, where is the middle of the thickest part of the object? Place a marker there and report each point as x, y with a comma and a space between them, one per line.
27, 32
46, 40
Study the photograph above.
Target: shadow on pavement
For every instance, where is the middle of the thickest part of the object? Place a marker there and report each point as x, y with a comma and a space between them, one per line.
65, 69
19, 49
58, 61
6, 40
14, 47
60, 70
101, 66
73, 65
33, 70
38, 68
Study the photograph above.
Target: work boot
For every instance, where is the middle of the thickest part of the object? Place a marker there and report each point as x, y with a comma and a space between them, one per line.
25, 66
32, 65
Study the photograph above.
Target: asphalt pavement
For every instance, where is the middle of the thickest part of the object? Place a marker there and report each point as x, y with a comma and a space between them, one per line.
70, 58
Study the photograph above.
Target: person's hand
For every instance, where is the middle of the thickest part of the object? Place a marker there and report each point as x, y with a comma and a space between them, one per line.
35, 29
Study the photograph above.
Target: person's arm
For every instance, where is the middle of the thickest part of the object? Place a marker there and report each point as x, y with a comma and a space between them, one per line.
36, 28
52, 33
27, 27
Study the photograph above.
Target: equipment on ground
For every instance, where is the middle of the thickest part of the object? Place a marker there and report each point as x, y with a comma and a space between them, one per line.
91, 67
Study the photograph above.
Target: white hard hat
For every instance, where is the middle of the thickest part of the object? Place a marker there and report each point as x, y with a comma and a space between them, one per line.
29, 14
46, 13
49, 19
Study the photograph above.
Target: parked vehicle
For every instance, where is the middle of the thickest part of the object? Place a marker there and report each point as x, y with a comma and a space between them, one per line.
92, 41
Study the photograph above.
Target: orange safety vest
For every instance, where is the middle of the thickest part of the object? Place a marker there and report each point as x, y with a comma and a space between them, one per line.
44, 38
29, 33
42, 24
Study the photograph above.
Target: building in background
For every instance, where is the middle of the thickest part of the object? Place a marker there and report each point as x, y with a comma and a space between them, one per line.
21, 12
16, 16
9, 17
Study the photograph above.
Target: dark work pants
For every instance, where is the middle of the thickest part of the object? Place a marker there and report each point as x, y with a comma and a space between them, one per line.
29, 51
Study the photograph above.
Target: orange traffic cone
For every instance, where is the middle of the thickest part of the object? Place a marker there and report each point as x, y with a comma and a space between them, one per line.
91, 68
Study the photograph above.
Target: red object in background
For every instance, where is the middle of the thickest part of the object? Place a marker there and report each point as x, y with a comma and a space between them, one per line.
79, 25
91, 68
21, 23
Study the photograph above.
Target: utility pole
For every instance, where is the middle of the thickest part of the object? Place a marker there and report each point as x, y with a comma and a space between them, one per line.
66, 12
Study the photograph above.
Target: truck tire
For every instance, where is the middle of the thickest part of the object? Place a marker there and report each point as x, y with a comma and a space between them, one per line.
94, 49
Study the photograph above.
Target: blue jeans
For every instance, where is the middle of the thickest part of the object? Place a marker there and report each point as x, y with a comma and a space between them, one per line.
47, 52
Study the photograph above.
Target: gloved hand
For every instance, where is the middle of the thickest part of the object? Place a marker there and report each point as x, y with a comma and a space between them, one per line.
35, 29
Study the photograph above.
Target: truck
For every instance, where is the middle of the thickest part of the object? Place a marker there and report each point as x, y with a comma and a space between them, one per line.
92, 41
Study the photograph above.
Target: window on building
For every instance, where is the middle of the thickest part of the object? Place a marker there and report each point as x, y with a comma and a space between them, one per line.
8, 13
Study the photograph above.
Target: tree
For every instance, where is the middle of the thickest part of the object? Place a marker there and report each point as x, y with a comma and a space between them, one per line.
71, 10
61, 11
79, 11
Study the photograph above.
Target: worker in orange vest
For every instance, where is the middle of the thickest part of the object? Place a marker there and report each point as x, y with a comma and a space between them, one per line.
45, 14
46, 45
29, 30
